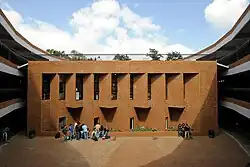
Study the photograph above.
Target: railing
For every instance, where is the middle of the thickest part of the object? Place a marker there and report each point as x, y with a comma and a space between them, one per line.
241, 61
238, 102
111, 56
7, 62
9, 102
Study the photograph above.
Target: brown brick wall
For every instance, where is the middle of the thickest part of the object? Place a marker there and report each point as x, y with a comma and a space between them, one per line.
190, 85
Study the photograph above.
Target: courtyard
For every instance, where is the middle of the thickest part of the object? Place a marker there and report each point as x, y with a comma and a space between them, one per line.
124, 152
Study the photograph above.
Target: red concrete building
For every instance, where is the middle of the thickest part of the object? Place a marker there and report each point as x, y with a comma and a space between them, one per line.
122, 94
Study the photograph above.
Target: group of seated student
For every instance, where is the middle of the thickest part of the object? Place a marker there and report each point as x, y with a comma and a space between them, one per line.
184, 130
81, 131
99, 132
75, 131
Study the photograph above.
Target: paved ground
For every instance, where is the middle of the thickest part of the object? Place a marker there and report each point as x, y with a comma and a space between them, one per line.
242, 136
124, 152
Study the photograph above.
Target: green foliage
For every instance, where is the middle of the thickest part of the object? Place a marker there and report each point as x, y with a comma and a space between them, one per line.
143, 129
55, 52
174, 56
121, 57
114, 130
172, 128
74, 55
153, 54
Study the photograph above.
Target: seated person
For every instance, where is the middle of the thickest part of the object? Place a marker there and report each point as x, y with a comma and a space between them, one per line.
180, 130
105, 135
64, 131
101, 131
94, 135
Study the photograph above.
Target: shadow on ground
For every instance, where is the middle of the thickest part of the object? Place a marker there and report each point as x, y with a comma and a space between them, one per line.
124, 152
205, 152
40, 152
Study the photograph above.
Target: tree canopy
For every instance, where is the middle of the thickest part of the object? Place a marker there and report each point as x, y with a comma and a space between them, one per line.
121, 57
73, 55
153, 54
55, 52
174, 56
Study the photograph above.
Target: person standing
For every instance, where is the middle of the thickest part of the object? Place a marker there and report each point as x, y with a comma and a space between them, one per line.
85, 131
75, 124
78, 133
187, 130
71, 130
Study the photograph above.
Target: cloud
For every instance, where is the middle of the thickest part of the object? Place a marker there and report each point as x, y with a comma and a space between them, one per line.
105, 26
223, 14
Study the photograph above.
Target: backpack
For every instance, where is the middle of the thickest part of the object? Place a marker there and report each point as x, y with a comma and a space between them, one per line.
57, 136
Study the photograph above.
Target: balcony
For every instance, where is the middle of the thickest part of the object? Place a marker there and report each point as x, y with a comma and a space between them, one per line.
239, 106
9, 67
8, 106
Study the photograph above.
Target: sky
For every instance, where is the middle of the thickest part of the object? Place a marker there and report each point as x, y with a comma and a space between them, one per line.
123, 26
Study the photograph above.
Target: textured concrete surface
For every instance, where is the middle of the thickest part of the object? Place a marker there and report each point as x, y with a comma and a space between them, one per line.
125, 151
180, 91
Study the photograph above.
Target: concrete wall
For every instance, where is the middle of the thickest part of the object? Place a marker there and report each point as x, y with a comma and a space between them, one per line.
191, 88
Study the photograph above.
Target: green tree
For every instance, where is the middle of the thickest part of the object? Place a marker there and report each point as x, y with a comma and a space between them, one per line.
75, 55
174, 56
55, 52
121, 57
154, 55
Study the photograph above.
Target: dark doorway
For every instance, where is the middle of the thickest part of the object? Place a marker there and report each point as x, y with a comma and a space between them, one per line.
96, 120
62, 122
131, 124
166, 123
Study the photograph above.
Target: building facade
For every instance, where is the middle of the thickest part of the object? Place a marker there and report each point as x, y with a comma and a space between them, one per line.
122, 94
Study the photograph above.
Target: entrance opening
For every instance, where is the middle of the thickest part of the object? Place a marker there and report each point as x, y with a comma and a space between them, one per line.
166, 123
75, 113
132, 123
62, 122
96, 120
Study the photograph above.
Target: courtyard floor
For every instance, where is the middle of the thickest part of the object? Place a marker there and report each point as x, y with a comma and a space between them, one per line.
124, 152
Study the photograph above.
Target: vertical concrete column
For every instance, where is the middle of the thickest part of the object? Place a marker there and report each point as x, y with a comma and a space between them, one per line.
156, 116
54, 112
34, 97
105, 87
88, 87
157, 88
54, 87
123, 87
175, 88
71, 89
141, 87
